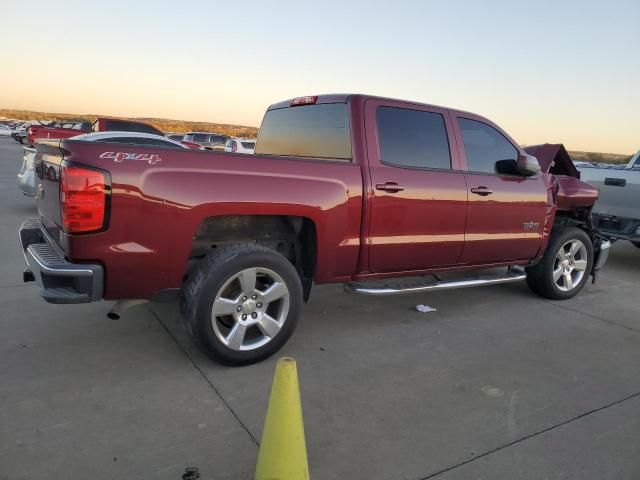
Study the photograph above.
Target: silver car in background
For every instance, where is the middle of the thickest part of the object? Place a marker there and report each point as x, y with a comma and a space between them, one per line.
207, 140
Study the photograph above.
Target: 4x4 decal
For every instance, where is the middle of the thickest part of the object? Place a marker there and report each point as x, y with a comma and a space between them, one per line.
120, 157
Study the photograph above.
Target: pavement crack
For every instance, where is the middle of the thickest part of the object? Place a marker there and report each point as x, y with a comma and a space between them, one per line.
531, 435
206, 379
605, 320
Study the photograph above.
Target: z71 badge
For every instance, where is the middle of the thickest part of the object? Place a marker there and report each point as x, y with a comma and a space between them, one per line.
531, 225
120, 157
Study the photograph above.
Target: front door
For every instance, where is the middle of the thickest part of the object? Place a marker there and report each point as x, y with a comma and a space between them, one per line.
505, 213
418, 195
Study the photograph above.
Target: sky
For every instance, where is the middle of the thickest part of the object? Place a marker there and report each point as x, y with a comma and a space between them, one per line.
546, 71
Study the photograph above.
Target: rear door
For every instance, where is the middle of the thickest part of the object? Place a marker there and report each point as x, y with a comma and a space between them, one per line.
418, 194
505, 213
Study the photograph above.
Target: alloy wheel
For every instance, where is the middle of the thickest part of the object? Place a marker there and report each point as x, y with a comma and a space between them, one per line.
570, 265
250, 309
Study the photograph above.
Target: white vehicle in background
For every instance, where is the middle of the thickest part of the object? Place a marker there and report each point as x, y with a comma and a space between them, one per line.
617, 211
5, 130
240, 145
26, 175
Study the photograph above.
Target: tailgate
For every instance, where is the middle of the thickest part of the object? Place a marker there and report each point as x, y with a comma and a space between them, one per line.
48, 162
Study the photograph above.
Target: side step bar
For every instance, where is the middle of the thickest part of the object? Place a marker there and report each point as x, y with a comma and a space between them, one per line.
366, 288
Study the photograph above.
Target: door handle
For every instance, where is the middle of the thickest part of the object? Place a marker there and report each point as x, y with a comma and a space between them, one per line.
615, 182
390, 187
483, 191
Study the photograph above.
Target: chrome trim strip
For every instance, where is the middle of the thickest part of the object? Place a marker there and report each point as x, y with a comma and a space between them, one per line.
470, 282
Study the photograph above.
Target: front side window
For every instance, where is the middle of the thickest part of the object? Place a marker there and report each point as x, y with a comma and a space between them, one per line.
485, 146
412, 138
200, 138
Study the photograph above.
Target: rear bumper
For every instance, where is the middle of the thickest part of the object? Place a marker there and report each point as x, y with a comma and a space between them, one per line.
61, 281
617, 227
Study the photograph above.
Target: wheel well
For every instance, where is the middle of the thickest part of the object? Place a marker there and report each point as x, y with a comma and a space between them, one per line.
291, 236
580, 217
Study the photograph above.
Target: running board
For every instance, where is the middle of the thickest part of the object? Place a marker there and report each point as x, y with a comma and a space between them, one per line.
366, 288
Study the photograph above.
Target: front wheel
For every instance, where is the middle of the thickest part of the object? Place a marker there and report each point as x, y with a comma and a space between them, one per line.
565, 267
242, 303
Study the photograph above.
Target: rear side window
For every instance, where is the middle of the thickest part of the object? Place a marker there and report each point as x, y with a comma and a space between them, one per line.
248, 144
413, 138
484, 146
200, 138
119, 126
315, 131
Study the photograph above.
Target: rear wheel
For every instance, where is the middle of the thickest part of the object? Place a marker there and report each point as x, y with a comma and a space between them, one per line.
242, 303
565, 266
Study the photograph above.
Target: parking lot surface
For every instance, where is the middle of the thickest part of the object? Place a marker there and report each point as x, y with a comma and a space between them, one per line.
497, 384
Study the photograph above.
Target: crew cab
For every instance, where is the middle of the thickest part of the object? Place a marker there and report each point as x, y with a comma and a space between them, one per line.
617, 211
350, 189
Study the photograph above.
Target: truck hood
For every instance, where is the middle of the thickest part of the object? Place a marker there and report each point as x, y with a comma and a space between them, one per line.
554, 159
570, 192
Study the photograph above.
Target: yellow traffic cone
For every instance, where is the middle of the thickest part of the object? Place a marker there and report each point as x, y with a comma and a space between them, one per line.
283, 452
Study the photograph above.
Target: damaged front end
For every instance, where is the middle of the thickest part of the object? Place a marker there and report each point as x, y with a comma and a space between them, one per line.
572, 199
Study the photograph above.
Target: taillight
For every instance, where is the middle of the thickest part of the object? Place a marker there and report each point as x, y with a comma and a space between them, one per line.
83, 198
234, 146
308, 100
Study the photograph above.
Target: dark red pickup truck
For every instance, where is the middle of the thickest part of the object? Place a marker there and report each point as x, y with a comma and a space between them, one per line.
342, 188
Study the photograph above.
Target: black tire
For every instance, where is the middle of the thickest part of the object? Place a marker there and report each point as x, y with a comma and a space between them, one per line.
540, 276
208, 280
637, 244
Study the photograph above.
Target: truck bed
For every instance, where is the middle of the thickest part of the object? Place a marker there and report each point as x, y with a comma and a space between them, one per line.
180, 188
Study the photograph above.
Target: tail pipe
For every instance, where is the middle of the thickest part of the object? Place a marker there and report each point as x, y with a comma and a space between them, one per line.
122, 305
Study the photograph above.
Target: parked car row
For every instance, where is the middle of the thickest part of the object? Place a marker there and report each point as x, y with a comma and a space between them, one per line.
17, 129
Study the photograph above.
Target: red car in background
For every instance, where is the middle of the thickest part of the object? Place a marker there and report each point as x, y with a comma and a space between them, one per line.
103, 124
56, 130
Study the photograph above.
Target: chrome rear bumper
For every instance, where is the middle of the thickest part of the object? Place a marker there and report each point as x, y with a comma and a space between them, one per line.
61, 281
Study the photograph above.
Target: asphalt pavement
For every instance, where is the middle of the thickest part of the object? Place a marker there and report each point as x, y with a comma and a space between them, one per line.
497, 384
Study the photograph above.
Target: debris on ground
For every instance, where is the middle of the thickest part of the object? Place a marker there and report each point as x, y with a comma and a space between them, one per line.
191, 474
425, 308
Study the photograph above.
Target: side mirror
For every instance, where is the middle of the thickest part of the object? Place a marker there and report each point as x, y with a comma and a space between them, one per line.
527, 165
507, 167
